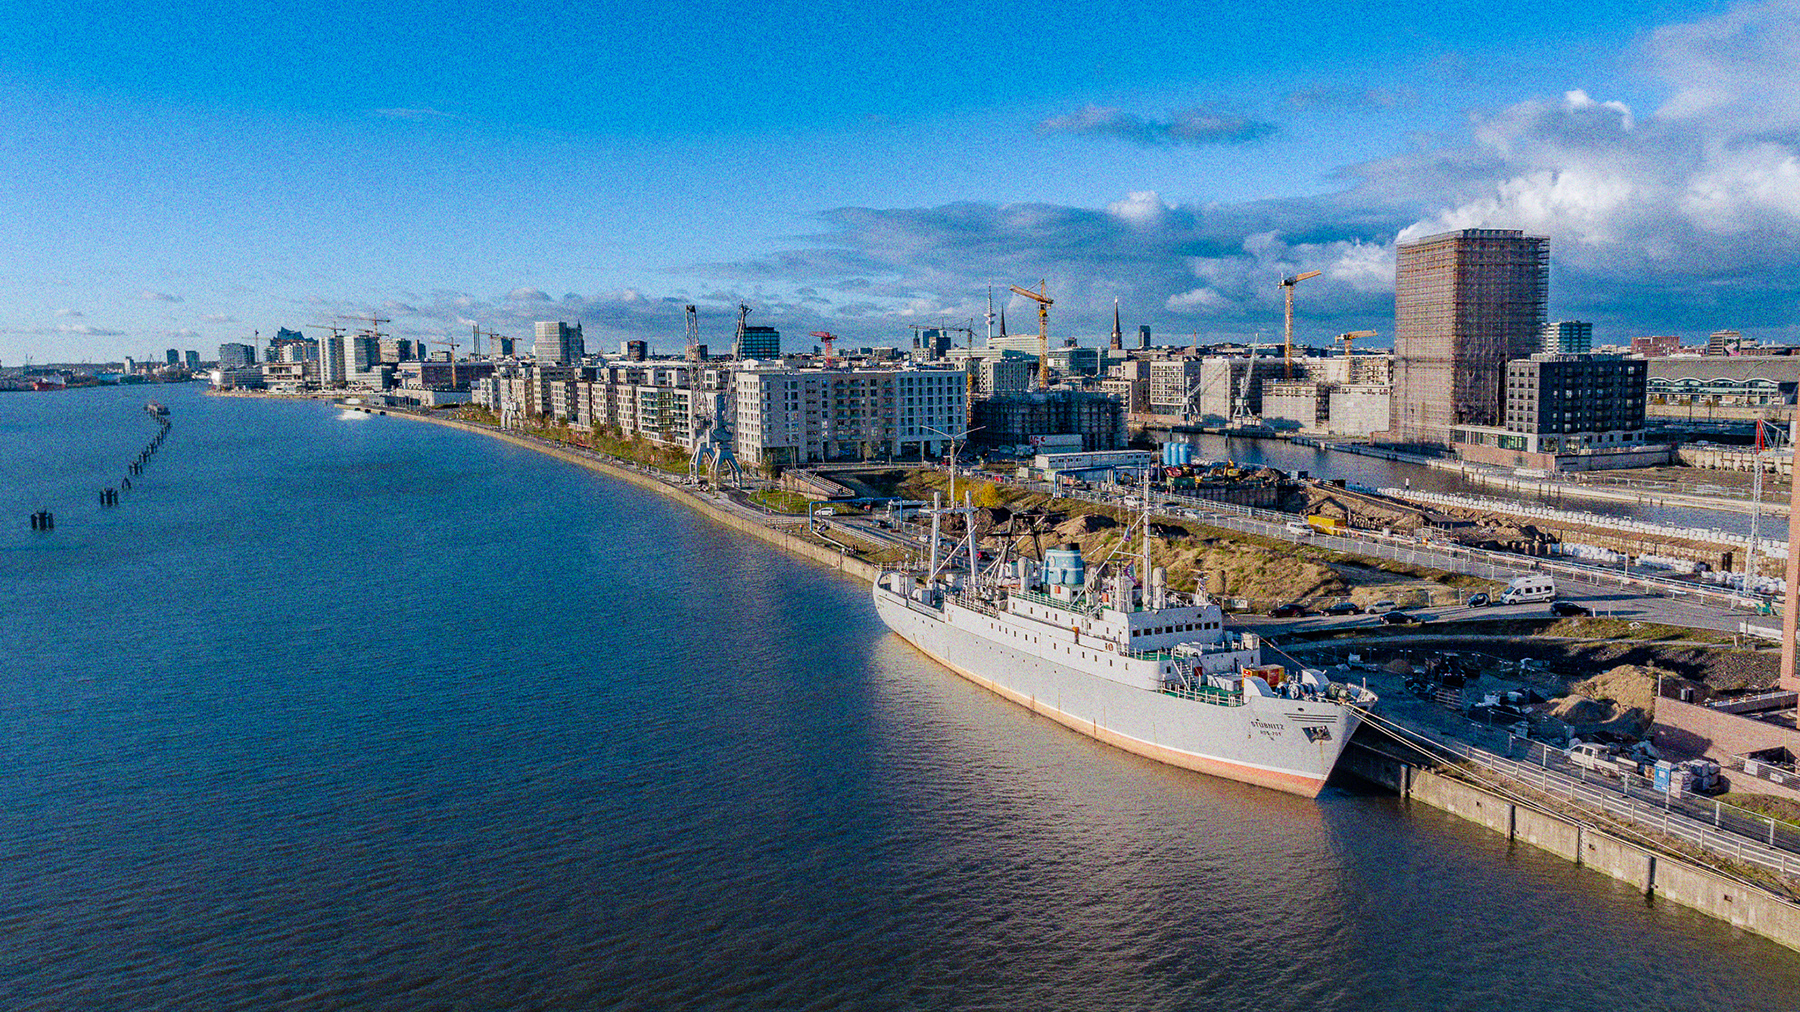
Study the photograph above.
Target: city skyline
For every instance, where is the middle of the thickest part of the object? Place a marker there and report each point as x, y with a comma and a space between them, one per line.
185, 182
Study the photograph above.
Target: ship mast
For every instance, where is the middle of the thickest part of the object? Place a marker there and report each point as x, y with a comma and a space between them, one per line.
1145, 576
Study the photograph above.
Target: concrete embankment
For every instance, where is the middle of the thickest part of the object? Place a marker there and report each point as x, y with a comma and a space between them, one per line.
1656, 875
779, 538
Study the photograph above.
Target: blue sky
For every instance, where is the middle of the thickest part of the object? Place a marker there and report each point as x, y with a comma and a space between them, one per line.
182, 177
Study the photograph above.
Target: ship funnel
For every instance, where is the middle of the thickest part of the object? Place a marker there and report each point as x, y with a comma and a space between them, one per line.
1064, 572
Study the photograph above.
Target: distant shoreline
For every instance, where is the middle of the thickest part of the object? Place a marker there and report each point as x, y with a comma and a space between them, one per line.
863, 571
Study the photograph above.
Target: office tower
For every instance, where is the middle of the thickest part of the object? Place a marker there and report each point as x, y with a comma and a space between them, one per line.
331, 361
362, 353
236, 356
1569, 337
760, 343
1465, 304
558, 343
1144, 336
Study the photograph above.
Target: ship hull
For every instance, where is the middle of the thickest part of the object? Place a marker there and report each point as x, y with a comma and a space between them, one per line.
1266, 741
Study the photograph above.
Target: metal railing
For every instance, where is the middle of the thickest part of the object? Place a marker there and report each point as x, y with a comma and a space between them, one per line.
1214, 697
1707, 823
1763, 770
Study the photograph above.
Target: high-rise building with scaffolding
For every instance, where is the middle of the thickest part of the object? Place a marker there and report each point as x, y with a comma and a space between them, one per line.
1465, 304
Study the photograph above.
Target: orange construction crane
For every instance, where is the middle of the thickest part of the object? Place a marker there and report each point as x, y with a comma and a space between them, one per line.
1044, 301
825, 337
1287, 357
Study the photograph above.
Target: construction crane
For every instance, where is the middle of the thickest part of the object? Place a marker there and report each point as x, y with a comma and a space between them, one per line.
452, 344
1353, 336
478, 335
826, 338
1044, 301
373, 321
1287, 285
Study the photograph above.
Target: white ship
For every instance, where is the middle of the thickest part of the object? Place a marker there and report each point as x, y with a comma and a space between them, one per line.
1146, 669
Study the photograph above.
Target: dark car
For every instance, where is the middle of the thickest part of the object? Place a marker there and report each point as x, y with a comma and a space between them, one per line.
1569, 608
1398, 618
1478, 601
1289, 610
1343, 608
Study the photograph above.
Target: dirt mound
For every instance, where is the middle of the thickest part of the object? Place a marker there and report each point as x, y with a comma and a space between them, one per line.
1082, 525
1628, 685
1579, 711
1619, 700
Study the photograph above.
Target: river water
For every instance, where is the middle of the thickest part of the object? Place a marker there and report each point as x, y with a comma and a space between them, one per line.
349, 712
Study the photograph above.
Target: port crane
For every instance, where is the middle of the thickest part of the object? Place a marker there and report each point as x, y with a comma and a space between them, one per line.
1287, 287
1044, 301
737, 344
693, 333
826, 338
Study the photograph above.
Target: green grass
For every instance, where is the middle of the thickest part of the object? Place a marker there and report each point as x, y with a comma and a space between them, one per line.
1775, 807
782, 501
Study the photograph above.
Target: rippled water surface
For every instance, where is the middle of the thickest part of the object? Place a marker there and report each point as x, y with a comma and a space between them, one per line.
353, 712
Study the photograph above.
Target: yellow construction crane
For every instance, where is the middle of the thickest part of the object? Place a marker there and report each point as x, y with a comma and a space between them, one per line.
452, 344
1044, 302
1287, 356
1352, 336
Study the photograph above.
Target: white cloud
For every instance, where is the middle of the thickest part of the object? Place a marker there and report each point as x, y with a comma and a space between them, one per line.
1144, 209
153, 296
1200, 300
70, 313
528, 295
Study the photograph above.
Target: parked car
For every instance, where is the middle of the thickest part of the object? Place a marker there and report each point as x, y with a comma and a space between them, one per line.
1292, 609
1398, 618
825, 511
1569, 608
1381, 607
1299, 529
1478, 601
1343, 608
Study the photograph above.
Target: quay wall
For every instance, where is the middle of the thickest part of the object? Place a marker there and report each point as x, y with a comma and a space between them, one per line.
1657, 875
779, 538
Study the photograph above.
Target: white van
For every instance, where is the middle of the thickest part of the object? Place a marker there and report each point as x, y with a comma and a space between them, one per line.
1299, 530
1526, 589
